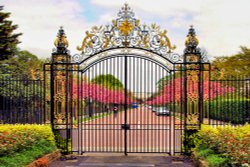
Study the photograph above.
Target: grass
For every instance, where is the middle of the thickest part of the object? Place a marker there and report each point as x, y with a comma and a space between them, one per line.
204, 153
25, 157
86, 119
212, 159
216, 161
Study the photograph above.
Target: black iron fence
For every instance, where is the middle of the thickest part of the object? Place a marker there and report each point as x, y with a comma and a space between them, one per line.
21, 100
228, 102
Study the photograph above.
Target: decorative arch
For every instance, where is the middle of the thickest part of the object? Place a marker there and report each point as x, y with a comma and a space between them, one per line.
164, 61
126, 32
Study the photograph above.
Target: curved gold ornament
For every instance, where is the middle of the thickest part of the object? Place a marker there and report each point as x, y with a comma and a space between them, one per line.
87, 41
164, 40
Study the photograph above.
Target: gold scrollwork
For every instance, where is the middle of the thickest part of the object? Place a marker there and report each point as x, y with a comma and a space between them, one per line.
87, 41
126, 31
164, 40
193, 75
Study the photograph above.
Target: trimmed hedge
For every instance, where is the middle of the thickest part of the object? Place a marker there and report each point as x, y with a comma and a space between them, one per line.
25, 139
233, 111
223, 146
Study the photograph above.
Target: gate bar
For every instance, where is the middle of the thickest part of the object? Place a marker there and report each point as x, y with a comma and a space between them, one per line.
125, 107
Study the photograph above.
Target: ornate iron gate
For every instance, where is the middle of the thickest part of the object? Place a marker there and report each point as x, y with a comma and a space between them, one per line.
117, 115
127, 92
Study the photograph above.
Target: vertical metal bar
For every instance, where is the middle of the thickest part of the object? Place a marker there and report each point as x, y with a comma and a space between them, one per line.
209, 95
26, 98
185, 103
80, 108
87, 127
34, 88
179, 103
133, 137
119, 132
174, 80
66, 108
156, 123
52, 94
145, 105
44, 93
140, 115
129, 114
247, 80
199, 95
106, 72
125, 106
71, 112
77, 107
137, 114
140, 106
95, 111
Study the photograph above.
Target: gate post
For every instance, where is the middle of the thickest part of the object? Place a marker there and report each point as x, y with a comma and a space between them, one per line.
60, 86
193, 94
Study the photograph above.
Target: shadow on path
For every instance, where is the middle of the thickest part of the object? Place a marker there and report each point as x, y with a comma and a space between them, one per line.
119, 160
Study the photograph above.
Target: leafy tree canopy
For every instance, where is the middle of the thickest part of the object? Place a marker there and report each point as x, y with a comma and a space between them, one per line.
232, 66
108, 81
8, 39
23, 63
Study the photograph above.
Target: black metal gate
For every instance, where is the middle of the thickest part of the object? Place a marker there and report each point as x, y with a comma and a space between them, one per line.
113, 111
127, 92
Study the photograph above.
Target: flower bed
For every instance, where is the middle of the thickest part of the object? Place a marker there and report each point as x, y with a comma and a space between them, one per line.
21, 144
223, 146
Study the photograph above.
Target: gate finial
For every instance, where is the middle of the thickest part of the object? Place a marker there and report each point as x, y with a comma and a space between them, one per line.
61, 42
191, 42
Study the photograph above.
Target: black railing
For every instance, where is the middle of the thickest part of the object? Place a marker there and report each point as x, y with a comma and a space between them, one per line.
228, 102
21, 100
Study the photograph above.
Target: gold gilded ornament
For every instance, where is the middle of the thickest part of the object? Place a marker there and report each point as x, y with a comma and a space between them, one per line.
126, 27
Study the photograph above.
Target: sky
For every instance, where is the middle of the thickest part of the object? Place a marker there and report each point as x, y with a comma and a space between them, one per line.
222, 26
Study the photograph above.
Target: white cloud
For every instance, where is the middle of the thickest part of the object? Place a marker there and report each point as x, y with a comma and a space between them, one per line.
222, 26
40, 20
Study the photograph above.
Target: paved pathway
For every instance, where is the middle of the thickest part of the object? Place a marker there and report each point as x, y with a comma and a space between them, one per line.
148, 133
117, 160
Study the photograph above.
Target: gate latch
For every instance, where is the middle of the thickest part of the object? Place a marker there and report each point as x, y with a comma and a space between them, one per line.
125, 126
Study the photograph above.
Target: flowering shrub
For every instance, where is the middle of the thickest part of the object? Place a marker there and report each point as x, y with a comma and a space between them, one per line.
100, 93
174, 91
15, 138
232, 143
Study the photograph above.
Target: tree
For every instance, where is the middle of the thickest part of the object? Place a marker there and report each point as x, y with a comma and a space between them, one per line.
99, 93
174, 91
23, 63
165, 80
8, 39
232, 66
108, 81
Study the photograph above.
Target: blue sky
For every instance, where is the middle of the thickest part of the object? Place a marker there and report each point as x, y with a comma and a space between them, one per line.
221, 25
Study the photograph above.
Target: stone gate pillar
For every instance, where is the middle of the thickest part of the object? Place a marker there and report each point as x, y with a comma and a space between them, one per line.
60, 88
193, 91
193, 94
